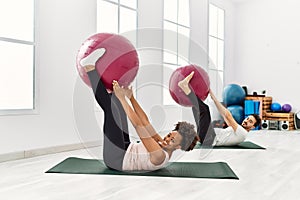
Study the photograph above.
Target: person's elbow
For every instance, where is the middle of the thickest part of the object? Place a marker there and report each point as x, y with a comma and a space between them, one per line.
157, 157
227, 114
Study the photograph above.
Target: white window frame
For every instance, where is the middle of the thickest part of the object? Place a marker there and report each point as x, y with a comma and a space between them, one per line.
216, 68
119, 5
12, 40
167, 99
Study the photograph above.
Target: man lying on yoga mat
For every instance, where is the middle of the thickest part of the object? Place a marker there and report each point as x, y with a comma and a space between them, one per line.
119, 152
234, 134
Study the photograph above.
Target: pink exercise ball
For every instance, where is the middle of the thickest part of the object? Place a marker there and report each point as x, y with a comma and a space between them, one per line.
200, 84
120, 61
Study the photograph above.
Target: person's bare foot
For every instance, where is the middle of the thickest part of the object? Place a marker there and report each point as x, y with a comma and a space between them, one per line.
184, 84
89, 68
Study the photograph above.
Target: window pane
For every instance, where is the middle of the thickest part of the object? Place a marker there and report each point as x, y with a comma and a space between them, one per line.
17, 19
184, 31
213, 20
168, 100
220, 84
220, 79
213, 50
127, 20
16, 77
128, 24
170, 42
170, 57
176, 39
183, 44
183, 61
129, 3
220, 62
106, 11
167, 72
216, 48
184, 12
221, 16
216, 82
170, 26
170, 10
213, 80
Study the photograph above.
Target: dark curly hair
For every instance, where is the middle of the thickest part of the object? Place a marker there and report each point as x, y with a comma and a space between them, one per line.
189, 135
257, 118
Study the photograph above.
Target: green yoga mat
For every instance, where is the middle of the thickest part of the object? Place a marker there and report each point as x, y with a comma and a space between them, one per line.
216, 170
243, 145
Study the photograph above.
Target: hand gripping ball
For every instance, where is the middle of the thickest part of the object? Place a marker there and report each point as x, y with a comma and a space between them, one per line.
200, 84
120, 61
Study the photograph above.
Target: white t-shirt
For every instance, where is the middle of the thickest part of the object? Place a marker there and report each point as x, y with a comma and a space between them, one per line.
138, 158
227, 136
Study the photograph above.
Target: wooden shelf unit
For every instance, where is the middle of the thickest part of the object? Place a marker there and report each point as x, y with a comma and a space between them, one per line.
264, 105
281, 117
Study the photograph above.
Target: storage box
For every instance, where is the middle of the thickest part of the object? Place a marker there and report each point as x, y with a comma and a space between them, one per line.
264, 106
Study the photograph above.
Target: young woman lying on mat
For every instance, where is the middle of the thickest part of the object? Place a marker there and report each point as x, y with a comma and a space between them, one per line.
234, 134
119, 152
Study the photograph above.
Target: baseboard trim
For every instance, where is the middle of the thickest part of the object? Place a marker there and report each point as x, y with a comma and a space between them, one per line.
48, 150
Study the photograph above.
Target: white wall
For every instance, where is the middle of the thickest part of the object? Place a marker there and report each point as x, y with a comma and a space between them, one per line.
267, 48
61, 28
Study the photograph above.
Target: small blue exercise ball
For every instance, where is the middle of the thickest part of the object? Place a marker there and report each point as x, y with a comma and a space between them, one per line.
233, 94
237, 113
275, 107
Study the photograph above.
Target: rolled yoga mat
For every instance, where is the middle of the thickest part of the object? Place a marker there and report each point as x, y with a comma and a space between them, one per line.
215, 170
243, 145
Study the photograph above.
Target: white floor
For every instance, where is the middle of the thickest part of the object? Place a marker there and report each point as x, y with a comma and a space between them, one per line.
264, 174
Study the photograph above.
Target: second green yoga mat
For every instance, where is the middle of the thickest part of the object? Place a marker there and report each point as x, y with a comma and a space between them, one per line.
216, 170
243, 145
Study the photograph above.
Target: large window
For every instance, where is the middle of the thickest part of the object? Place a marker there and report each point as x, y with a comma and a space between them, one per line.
176, 42
17, 86
119, 17
216, 48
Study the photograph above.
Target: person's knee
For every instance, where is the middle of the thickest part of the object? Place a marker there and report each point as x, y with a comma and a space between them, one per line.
206, 107
205, 113
113, 158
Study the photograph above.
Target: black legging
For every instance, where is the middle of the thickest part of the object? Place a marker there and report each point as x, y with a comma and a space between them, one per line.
115, 128
202, 117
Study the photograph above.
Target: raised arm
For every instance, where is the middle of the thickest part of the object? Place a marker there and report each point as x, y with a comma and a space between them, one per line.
143, 116
225, 113
157, 156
